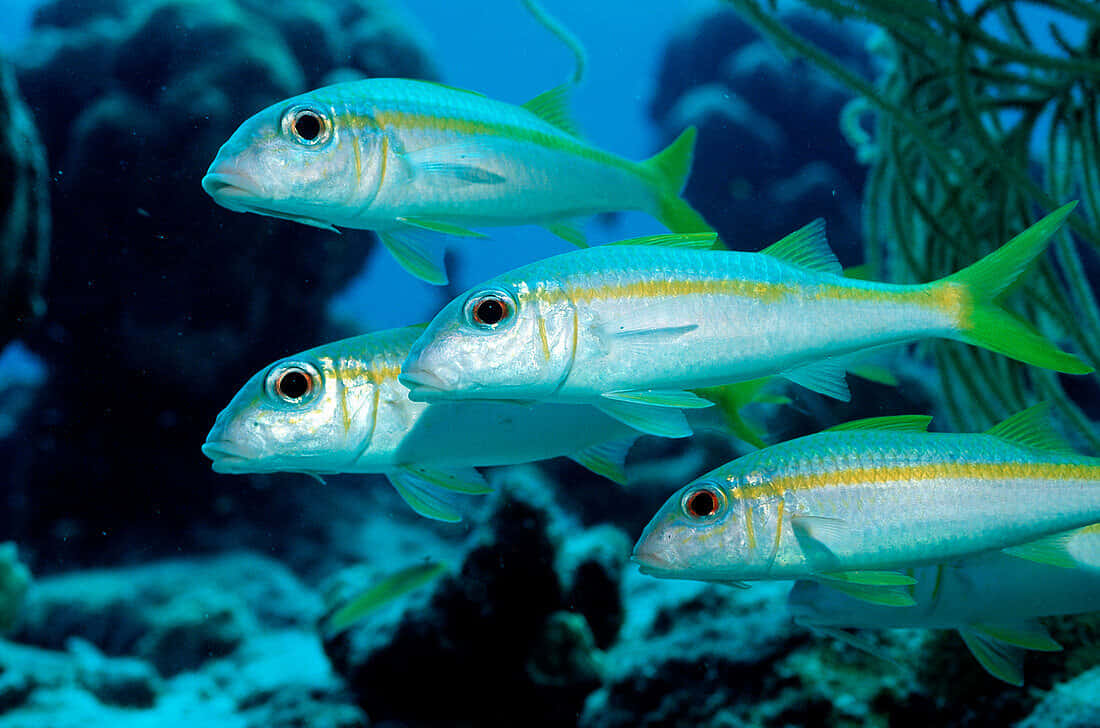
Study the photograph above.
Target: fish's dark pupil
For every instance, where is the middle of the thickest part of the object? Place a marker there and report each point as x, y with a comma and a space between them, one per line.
307, 126
294, 384
703, 504
490, 311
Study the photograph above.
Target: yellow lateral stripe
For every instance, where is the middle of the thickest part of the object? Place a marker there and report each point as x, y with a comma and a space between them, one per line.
923, 472
420, 121
757, 290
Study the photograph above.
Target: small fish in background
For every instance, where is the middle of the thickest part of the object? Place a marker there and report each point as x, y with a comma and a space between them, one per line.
851, 505
412, 159
383, 591
994, 601
630, 327
339, 408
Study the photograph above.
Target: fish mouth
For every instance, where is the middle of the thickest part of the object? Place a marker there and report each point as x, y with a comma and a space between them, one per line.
228, 456
229, 186
422, 382
650, 561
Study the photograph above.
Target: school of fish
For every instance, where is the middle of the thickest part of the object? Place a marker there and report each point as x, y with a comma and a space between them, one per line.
882, 523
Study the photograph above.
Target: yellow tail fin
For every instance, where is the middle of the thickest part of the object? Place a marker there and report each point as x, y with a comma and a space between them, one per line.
985, 323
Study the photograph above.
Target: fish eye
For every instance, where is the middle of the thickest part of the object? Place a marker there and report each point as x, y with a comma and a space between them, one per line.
490, 309
307, 125
293, 383
703, 503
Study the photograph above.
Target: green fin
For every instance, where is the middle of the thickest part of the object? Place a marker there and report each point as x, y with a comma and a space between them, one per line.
1032, 428
874, 373
380, 593
553, 107
437, 226
731, 398
1027, 634
897, 423
660, 421
671, 167
1051, 550
607, 459
421, 497
888, 596
423, 258
807, 248
661, 398
694, 241
456, 480
824, 377
456, 162
988, 325
999, 660
869, 578
570, 232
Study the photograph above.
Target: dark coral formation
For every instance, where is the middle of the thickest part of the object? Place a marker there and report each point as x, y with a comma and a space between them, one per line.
24, 212
770, 155
513, 632
160, 302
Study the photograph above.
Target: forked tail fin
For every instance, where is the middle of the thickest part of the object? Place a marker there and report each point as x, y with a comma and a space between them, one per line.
983, 322
671, 167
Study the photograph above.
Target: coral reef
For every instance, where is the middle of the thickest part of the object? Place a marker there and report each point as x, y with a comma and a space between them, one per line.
24, 212
160, 302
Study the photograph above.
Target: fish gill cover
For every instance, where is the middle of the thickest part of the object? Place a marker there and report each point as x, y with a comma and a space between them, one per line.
925, 134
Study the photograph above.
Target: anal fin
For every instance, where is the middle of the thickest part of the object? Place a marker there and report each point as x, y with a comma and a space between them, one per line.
1051, 550
1000, 660
824, 377
422, 497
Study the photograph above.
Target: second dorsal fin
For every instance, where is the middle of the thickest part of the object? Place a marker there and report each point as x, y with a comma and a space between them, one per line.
807, 248
1031, 428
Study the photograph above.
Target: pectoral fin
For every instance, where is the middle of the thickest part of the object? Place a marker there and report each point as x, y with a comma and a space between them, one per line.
815, 534
422, 497
463, 162
417, 253
660, 421
607, 459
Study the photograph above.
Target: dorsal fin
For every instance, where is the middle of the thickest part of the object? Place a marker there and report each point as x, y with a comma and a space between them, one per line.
807, 248
553, 107
697, 241
1032, 428
896, 423
453, 88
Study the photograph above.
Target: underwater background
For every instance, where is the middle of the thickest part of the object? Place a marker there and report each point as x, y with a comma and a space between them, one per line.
138, 587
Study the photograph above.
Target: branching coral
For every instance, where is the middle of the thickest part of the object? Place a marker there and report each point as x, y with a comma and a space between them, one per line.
983, 120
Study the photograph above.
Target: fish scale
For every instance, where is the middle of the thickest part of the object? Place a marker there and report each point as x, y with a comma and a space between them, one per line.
866, 499
634, 326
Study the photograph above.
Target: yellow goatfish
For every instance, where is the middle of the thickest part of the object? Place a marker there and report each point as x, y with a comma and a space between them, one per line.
411, 158
850, 505
633, 328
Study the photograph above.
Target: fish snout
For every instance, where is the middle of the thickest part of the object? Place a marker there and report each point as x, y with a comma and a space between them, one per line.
228, 186
229, 454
